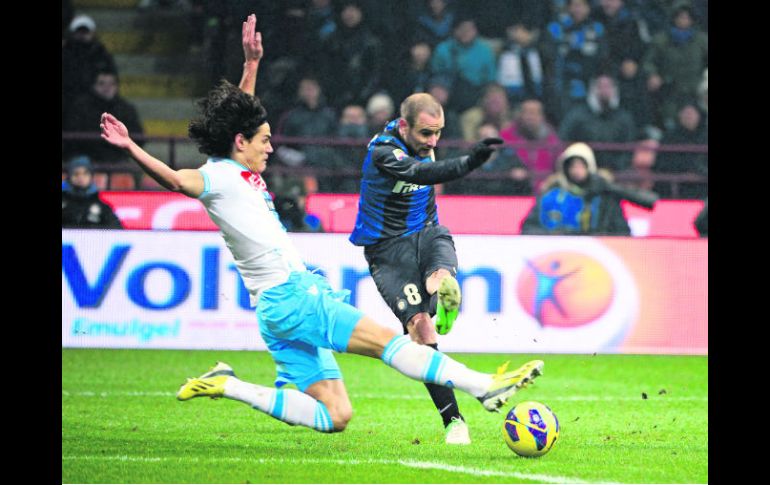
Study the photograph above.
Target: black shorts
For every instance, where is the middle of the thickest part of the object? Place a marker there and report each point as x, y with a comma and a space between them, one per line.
399, 267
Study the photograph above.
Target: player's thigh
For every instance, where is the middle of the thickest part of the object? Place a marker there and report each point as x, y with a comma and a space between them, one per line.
436, 250
307, 310
300, 363
396, 273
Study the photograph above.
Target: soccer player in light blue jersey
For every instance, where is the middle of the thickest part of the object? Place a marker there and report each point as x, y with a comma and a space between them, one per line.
302, 320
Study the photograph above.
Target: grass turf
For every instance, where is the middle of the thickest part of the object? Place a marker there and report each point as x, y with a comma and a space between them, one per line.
121, 423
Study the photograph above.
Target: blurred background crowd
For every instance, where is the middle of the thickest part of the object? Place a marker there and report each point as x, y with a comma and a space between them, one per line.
627, 77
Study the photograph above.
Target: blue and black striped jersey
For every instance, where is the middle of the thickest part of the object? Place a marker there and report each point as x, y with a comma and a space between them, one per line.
397, 195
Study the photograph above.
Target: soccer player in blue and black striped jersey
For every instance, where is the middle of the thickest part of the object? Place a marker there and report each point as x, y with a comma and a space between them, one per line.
411, 256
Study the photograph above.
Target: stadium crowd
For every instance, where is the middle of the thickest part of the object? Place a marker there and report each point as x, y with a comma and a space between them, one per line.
540, 74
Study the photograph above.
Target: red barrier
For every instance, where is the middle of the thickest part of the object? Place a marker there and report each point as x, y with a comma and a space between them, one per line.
669, 218
463, 214
470, 214
158, 210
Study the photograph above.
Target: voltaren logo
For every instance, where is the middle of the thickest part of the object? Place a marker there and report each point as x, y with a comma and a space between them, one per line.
402, 187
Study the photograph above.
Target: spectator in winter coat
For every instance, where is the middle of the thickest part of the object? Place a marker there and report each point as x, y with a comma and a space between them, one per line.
86, 112
82, 56
674, 63
575, 47
434, 25
691, 129
625, 47
503, 174
468, 61
312, 118
625, 51
353, 59
413, 76
493, 108
580, 199
80, 204
530, 125
520, 64
601, 119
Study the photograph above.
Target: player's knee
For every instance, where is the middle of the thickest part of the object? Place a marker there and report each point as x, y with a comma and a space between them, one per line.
441, 273
434, 280
341, 416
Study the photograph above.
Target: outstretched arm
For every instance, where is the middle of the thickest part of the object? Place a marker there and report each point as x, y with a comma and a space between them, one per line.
252, 54
187, 181
409, 169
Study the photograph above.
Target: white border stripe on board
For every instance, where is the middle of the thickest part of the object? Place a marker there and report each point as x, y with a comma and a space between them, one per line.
398, 397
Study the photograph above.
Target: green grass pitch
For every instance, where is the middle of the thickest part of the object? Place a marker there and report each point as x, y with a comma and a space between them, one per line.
121, 423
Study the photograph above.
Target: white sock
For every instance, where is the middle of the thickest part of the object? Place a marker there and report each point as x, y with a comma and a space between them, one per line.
425, 364
288, 405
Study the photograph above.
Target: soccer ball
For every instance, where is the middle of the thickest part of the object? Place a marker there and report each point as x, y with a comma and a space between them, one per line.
530, 429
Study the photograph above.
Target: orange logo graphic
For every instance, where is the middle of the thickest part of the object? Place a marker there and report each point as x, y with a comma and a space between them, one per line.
564, 289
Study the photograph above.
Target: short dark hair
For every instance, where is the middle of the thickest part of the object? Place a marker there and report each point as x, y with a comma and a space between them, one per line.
460, 19
418, 103
224, 113
680, 6
524, 22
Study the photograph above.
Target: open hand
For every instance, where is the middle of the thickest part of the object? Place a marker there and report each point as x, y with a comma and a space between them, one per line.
251, 40
114, 132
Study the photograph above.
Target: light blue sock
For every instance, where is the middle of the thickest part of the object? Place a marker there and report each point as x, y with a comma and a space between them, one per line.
288, 405
425, 364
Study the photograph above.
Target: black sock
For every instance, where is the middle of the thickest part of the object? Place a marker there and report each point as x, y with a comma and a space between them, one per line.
433, 306
444, 399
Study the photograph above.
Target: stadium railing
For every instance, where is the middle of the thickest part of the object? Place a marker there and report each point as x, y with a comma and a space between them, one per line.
633, 176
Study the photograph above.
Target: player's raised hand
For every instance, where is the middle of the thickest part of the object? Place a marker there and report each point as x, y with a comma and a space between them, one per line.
481, 151
251, 40
114, 131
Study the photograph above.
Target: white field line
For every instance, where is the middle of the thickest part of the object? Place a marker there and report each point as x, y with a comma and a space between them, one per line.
399, 397
407, 463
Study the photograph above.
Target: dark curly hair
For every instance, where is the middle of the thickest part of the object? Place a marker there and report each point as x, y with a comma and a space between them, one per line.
224, 113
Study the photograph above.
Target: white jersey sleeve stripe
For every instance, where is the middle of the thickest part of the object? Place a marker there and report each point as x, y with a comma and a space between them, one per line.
206, 183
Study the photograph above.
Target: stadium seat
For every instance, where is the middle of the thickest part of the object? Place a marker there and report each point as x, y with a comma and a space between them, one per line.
311, 184
122, 181
101, 180
149, 183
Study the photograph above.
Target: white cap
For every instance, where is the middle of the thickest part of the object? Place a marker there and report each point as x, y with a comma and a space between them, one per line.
82, 21
378, 102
